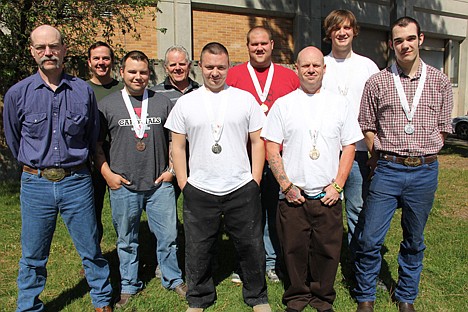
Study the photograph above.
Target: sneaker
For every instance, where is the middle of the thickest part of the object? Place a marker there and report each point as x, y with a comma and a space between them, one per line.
381, 284
235, 278
194, 310
262, 308
124, 299
157, 272
181, 290
271, 274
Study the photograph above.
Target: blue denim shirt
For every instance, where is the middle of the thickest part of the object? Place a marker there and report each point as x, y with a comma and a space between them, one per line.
46, 128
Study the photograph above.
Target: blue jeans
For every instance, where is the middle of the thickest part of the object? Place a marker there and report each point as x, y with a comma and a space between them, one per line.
355, 192
127, 207
41, 201
412, 189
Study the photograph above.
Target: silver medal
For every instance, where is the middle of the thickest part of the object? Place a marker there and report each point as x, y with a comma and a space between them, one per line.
314, 154
409, 128
216, 148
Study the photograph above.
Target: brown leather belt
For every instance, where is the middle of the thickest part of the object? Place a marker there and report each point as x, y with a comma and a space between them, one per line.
54, 174
410, 161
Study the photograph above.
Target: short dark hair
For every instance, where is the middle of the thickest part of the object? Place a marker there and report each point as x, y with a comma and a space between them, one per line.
337, 18
134, 55
270, 36
214, 48
98, 44
403, 22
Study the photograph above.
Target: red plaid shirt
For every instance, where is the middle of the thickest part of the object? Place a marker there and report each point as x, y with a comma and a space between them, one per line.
382, 113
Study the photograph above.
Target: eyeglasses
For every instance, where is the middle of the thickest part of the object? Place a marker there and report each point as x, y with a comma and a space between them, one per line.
41, 49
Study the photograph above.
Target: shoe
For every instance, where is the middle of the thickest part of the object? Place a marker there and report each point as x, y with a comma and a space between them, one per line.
124, 299
381, 284
271, 274
406, 307
181, 290
262, 308
194, 310
157, 272
235, 278
367, 306
104, 309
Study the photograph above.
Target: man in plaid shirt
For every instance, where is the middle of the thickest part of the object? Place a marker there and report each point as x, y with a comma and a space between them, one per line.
405, 116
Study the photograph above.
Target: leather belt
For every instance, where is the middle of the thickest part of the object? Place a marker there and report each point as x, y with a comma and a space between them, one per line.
54, 174
410, 161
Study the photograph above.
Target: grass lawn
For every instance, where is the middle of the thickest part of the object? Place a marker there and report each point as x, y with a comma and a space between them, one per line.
443, 287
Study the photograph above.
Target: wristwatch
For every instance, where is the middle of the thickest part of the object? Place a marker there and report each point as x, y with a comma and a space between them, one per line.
171, 170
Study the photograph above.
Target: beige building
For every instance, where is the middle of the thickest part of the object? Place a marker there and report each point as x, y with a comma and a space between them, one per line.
298, 23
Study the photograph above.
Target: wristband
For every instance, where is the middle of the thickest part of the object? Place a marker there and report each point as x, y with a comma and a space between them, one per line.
338, 188
286, 190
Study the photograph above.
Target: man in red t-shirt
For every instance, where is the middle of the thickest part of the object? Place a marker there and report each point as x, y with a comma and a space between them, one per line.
266, 82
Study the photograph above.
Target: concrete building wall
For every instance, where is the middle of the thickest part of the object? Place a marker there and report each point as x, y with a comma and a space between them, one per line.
298, 23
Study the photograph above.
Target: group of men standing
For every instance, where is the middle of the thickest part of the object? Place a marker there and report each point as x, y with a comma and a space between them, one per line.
267, 151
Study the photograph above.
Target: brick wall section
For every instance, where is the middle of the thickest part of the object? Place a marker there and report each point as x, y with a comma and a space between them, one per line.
148, 33
231, 29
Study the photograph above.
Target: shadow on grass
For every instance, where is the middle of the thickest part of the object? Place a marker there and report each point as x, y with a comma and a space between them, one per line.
455, 146
148, 262
79, 291
385, 282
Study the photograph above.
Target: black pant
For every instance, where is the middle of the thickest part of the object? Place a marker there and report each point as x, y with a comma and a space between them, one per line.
310, 236
100, 187
242, 219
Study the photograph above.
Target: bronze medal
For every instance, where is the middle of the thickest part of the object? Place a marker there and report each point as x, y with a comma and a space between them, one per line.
140, 146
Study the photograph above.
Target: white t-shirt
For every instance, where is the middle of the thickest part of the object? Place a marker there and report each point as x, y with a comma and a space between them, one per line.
348, 77
223, 173
293, 120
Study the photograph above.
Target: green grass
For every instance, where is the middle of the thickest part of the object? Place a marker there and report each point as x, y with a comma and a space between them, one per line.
443, 287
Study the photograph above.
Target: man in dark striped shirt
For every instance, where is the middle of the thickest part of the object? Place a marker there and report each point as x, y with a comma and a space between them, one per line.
405, 116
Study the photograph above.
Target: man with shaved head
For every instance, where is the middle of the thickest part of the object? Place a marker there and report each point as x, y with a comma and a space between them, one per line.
312, 124
51, 126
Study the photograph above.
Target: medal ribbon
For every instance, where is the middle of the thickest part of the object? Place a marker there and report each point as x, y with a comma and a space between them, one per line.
217, 122
138, 124
313, 131
401, 92
262, 95
343, 65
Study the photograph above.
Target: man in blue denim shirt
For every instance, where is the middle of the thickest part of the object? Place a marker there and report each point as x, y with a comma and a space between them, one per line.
51, 127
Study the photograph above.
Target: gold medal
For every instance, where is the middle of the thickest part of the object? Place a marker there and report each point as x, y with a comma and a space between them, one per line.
314, 154
264, 107
140, 146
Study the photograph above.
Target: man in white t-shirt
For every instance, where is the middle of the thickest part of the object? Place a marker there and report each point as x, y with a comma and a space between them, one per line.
347, 72
312, 124
218, 120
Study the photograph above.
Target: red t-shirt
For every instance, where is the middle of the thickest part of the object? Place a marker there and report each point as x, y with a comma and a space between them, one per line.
284, 81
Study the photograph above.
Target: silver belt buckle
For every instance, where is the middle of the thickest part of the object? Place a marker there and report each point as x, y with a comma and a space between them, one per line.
412, 161
53, 174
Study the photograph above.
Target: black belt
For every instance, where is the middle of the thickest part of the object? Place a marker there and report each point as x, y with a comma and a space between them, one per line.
410, 161
54, 174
